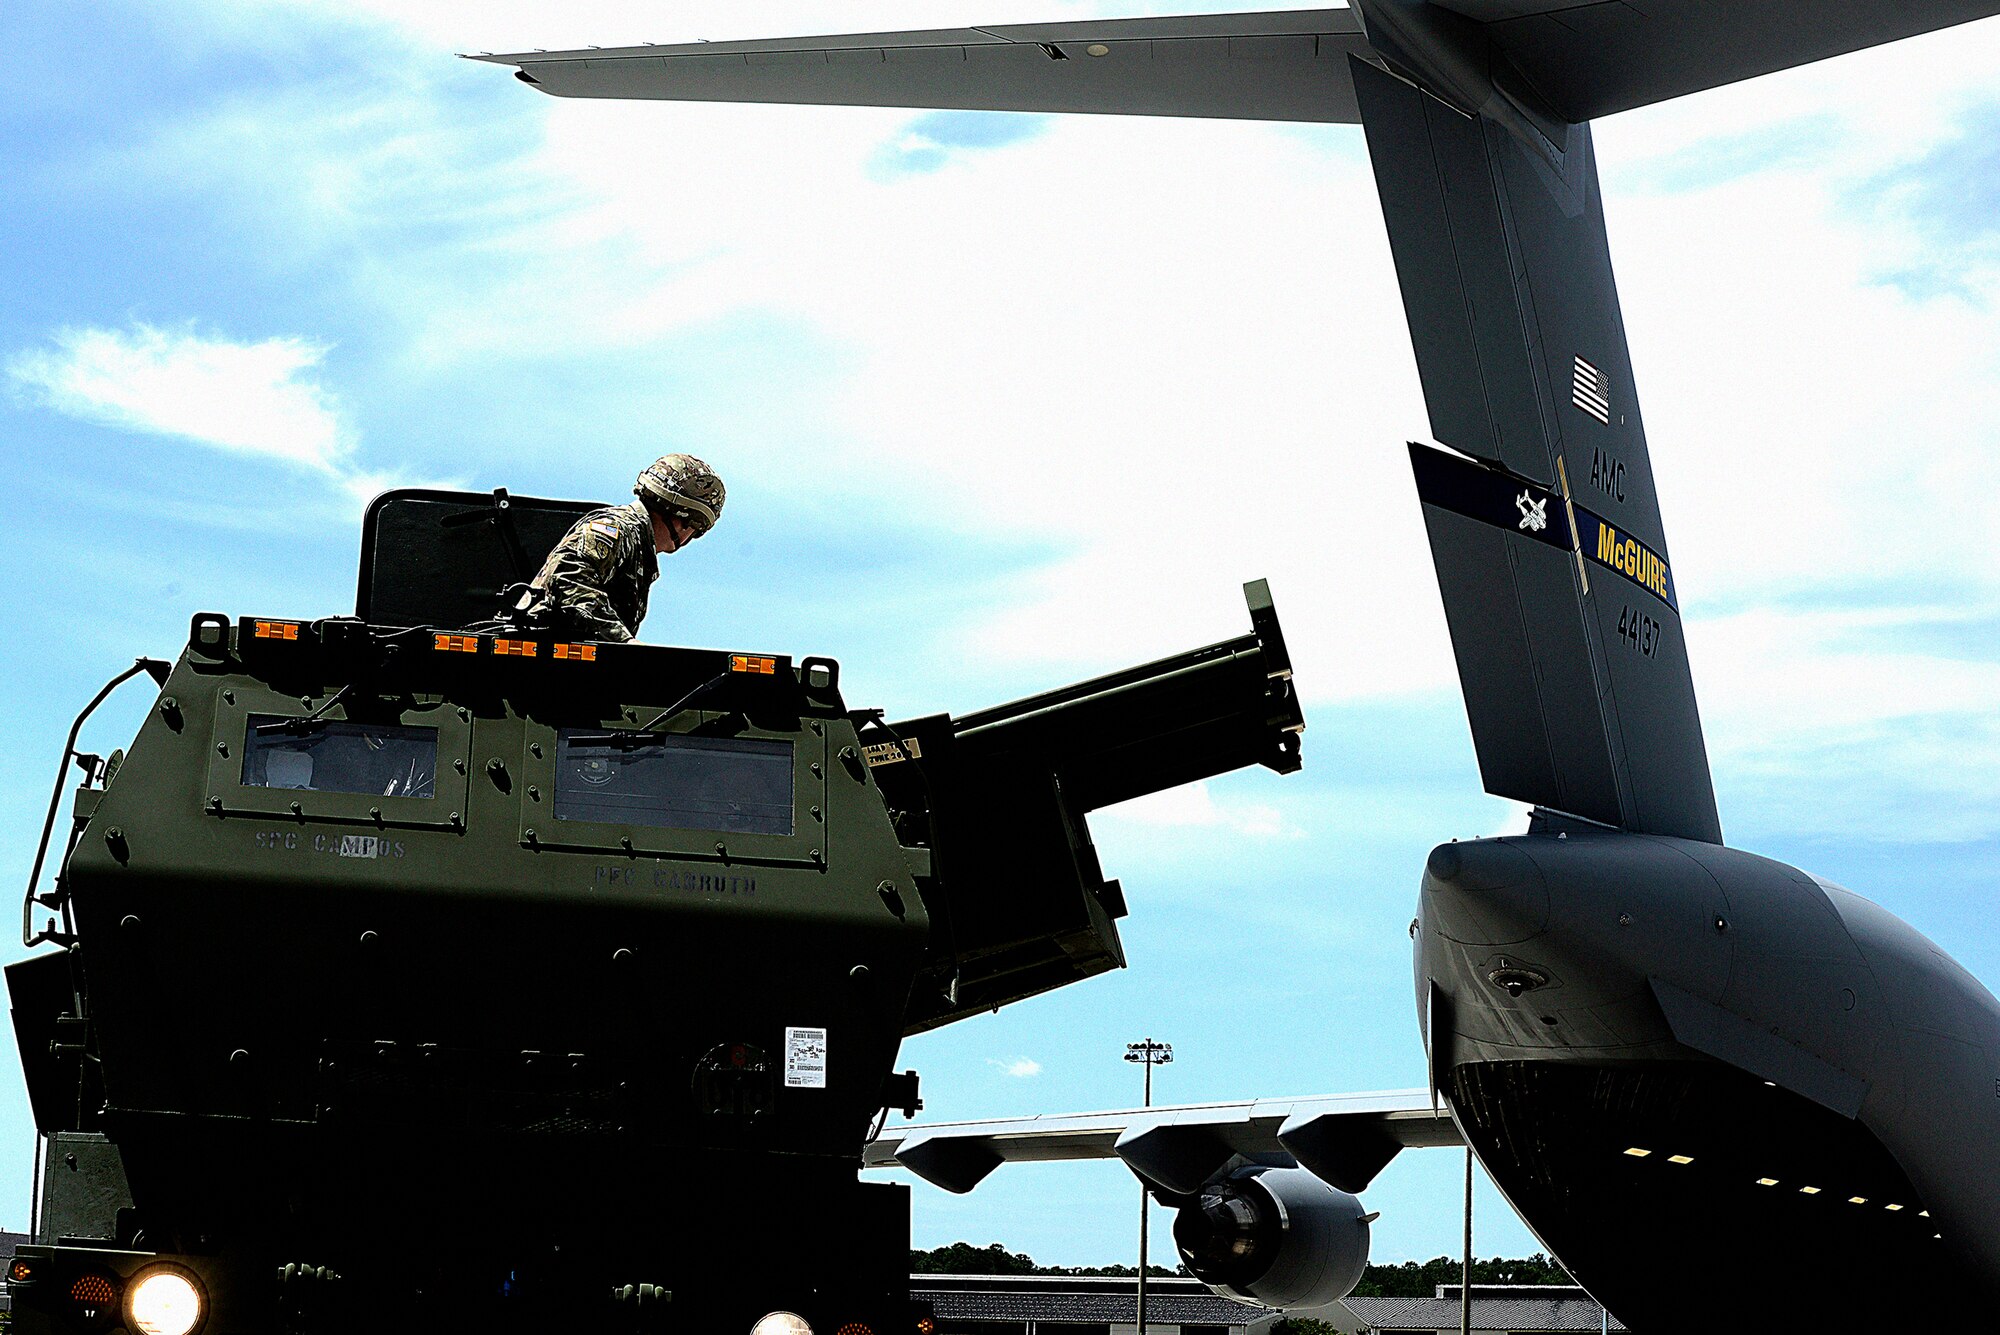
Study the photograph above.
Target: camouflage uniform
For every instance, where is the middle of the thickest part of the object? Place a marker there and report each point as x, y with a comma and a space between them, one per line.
595, 582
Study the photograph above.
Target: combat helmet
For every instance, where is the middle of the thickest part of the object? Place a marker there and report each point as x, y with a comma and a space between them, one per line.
682, 484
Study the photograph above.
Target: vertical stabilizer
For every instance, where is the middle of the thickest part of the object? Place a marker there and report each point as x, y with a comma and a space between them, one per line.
1549, 548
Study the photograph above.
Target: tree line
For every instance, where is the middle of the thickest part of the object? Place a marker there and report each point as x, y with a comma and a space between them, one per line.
962, 1258
1409, 1279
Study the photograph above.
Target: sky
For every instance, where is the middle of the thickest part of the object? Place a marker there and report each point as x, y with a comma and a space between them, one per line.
1004, 402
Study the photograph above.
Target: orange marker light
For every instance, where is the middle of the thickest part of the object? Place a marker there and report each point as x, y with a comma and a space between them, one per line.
456, 644
516, 648
21, 1272
753, 663
276, 630
580, 653
92, 1291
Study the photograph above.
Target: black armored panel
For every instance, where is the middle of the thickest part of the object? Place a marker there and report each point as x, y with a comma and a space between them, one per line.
442, 558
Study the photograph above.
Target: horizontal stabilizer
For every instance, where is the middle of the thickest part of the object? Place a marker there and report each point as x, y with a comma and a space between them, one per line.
1573, 59
1287, 66
1343, 1138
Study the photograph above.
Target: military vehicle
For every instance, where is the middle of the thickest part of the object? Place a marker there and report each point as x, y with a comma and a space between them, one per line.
406, 977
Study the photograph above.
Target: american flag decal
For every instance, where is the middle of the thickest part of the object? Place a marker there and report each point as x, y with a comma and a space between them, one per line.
1590, 391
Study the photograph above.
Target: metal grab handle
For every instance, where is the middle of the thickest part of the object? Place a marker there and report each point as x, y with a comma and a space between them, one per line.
152, 667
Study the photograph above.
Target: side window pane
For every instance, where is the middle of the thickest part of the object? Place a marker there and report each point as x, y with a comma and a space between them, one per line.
742, 785
381, 759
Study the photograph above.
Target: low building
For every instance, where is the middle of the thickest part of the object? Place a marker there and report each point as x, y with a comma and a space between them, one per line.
1082, 1305
1497, 1309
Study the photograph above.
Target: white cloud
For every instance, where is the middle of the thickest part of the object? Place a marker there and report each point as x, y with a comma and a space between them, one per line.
1193, 806
1509, 817
1021, 1068
1175, 398
244, 398
1840, 720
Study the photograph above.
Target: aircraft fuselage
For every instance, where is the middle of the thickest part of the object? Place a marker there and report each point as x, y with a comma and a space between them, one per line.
1673, 1051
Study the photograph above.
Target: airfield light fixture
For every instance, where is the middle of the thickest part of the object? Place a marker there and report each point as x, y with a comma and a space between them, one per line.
1808, 1191
1680, 1158
1152, 1053
163, 1301
1638, 1153
1767, 1181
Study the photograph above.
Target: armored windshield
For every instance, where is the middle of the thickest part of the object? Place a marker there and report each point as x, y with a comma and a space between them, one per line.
741, 785
382, 759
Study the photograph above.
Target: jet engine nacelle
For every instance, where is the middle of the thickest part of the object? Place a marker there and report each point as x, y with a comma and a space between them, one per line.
1275, 1237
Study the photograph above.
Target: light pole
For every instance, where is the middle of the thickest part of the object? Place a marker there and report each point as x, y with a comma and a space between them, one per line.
1465, 1263
1150, 1054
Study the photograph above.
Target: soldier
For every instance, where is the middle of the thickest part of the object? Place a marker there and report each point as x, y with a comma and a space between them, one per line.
595, 582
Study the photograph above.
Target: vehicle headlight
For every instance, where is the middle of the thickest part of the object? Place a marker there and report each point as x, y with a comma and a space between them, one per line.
782, 1323
163, 1302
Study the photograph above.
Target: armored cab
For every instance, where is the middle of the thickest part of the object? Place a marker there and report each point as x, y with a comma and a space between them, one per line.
438, 979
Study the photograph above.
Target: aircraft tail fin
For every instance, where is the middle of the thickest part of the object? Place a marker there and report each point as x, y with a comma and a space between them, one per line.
1548, 544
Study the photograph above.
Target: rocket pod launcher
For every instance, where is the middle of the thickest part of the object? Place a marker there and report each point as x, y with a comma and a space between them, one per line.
426, 977
999, 798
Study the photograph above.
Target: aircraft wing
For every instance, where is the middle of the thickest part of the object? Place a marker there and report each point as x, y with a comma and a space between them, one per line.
1344, 1139
1579, 58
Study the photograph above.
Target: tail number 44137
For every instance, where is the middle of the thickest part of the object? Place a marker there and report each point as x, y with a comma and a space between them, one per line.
1639, 631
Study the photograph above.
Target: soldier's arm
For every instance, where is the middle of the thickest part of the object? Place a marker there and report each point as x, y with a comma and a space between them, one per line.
582, 567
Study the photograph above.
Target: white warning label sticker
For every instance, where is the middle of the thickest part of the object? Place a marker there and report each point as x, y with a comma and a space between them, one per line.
805, 1058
